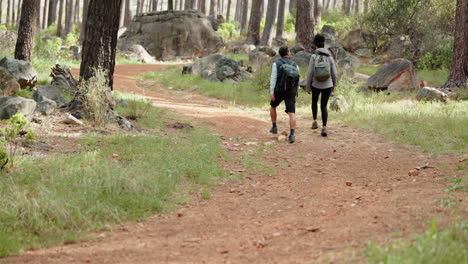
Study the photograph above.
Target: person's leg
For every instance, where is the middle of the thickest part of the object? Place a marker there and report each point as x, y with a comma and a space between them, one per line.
315, 97
273, 114
290, 102
323, 105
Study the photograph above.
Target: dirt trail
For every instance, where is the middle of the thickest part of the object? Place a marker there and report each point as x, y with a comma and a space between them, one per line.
295, 207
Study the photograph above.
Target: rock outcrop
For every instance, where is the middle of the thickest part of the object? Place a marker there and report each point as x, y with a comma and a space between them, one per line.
431, 94
171, 35
23, 71
63, 79
398, 75
8, 83
217, 67
50, 92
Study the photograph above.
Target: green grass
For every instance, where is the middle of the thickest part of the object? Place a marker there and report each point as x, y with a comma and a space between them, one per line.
435, 127
447, 246
434, 77
114, 178
366, 69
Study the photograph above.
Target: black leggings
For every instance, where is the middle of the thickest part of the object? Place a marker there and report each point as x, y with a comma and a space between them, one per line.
323, 103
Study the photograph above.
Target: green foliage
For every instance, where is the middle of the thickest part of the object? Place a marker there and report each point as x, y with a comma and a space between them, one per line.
71, 40
114, 179
26, 93
3, 27
50, 48
50, 31
435, 77
438, 55
290, 22
228, 30
447, 245
10, 137
342, 23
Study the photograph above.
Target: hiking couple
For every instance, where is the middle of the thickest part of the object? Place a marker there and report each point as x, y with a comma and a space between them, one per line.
321, 79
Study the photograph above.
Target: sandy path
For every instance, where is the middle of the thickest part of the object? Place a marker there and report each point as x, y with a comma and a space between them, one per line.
293, 207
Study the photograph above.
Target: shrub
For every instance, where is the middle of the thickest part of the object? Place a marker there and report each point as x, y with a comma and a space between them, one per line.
10, 138
51, 48
228, 30
342, 23
290, 21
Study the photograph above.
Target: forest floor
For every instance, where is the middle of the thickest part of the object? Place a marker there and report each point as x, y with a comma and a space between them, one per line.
319, 200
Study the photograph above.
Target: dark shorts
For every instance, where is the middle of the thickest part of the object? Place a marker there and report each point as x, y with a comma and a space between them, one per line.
288, 98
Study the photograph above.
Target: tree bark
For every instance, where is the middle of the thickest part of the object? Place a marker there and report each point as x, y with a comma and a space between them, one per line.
280, 21
459, 70
45, 14
8, 12
1, 11
19, 13
76, 12
245, 12
38, 17
188, 4
85, 18
170, 4
292, 4
305, 24
203, 6
317, 13
69, 17
228, 14
24, 42
366, 6
348, 7
253, 35
181, 4
99, 46
213, 8
272, 10
13, 13
52, 18
128, 13
60, 20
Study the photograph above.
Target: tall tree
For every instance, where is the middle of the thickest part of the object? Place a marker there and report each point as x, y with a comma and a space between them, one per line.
348, 7
76, 12
52, 18
356, 6
24, 42
13, 13
38, 17
45, 14
213, 8
181, 4
60, 19
202, 6
292, 4
317, 12
8, 13
19, 12
280, 22
366, 6
128, 13
272, 10
99, 46
459, 70
245, 12
85, 17
228, 14
188, 4
1, 11
69, 17
253, 34
305, 24
170, 4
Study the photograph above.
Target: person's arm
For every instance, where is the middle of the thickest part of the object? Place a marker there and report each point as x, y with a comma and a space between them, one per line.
334, 72
310, 74
273, 78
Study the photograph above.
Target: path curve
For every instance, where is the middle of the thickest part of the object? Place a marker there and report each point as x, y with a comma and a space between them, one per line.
293, 207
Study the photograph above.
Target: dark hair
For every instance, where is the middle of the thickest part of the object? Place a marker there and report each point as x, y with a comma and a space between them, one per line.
283, 51
319, 41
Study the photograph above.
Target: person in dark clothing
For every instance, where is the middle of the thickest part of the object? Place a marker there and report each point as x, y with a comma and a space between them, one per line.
321, 80
279, 94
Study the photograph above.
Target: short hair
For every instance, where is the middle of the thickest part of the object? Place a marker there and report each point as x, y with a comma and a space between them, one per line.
283, 51
319, 41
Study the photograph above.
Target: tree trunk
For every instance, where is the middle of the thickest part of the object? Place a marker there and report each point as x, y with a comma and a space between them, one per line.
305, 24
203, 6
280, 21
13, 13
317, 13
38, 17
270, 20
76, 12
253, 35
60, 20
52, 18
188, 4
348, 7
18, 14
245, 12
181, 4
100, 42
228, 14
459, 72
213, 8
292, 4
366, 6
68, 17
128, 13
85, 18
170, 4
24, 42
45, 14
356, 6
7, 22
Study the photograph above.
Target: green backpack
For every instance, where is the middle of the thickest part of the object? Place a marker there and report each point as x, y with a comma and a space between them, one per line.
322, 67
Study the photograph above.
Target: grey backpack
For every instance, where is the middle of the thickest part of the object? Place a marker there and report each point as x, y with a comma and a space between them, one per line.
322, 70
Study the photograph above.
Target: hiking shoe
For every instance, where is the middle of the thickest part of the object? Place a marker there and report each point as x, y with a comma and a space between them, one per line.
324, 132
314, 125
291, 138
274, 130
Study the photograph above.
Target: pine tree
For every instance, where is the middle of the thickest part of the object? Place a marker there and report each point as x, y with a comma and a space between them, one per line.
128, 13
69, 17
60, 19
213, 8
270, 20
305, 24
52, 18
253, 35
24, 42
280, 22
245, 11
100, 42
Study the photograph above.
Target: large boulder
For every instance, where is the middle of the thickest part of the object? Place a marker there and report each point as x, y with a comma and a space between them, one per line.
172, 34
7, 40
226, 68
8, 83
302, 58
329, 30
63, 79
46, 106
397, 75
50, 92
23, 71
358, 39
431, 94
261, 56
239, 47
12, 105
339, 104
138, 53
203, 64
343, 58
